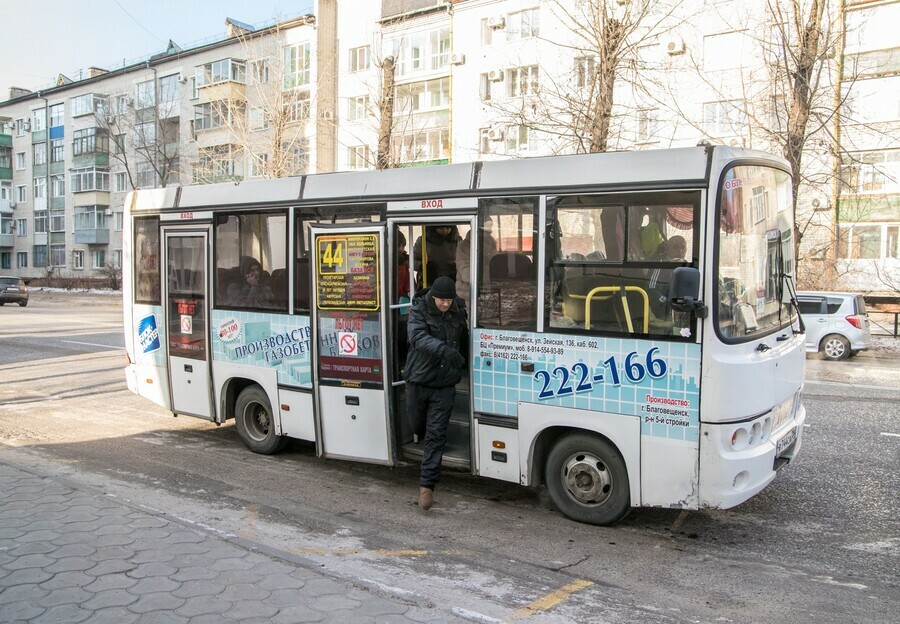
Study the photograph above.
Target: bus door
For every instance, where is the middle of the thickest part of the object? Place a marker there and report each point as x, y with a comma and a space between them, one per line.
447, 251
186, 315
349, 328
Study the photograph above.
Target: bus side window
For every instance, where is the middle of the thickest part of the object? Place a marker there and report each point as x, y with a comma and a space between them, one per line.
507, 289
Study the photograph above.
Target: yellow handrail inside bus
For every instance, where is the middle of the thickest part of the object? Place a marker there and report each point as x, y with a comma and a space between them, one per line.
623, 290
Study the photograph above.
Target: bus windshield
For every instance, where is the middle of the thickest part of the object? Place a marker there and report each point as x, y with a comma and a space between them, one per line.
755, 252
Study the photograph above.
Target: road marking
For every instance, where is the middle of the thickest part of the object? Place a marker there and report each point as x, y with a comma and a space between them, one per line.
93, 344
474, 616
892, 435
550, 600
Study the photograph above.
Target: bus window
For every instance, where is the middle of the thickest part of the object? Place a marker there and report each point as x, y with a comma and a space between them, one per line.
610, 260
507, 294
146, 271
251, 252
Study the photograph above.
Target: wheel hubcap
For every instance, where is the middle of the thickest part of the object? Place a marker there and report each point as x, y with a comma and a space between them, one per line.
257, 421
586, 479
834, 348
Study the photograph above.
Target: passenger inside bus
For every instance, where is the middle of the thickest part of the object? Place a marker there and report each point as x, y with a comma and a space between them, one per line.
254, 289
439, 258
463, 262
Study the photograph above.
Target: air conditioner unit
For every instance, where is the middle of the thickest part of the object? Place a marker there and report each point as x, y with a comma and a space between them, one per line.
495, 75
182, 79
457, 59
108, 212
12, 204
327, 115
495, 134
497, 22
27, 126
674, 46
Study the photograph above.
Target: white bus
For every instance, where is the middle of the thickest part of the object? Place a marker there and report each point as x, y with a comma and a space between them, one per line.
633, 341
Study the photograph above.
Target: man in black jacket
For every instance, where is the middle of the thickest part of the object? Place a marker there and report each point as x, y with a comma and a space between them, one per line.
438, 333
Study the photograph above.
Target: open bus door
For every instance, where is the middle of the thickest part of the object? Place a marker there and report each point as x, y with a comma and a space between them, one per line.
186, 319
349, 328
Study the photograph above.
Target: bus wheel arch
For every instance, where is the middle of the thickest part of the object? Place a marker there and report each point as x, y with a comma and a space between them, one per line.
587, 478
254, 418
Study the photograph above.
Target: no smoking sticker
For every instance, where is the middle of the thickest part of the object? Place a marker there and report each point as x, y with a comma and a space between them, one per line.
347, 342
187, 324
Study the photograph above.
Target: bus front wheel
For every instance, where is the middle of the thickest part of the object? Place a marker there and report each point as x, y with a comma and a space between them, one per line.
587, 479
253, 417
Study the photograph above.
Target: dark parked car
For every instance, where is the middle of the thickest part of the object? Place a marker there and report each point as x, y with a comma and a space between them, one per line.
13, 290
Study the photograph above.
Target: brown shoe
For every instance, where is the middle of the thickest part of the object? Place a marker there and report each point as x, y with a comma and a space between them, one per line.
426, 498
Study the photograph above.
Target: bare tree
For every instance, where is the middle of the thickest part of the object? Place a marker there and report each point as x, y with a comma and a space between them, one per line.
577, 110
385, 108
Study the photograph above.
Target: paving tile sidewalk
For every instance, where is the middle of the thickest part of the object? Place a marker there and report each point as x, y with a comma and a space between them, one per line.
69, 554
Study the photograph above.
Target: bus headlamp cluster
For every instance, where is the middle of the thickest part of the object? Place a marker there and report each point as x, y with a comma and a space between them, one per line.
749, 435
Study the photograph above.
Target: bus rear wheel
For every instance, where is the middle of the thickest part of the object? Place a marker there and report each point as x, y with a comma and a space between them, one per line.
255, 425
587, 479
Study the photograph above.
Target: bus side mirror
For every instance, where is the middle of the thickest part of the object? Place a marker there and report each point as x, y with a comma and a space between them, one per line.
684, 293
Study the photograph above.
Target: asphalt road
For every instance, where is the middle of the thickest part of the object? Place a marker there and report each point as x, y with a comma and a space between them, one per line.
821, 544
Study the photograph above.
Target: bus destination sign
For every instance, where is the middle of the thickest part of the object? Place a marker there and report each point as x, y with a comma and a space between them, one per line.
347, 272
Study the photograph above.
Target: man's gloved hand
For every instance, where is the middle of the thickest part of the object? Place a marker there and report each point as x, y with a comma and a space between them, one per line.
454, 357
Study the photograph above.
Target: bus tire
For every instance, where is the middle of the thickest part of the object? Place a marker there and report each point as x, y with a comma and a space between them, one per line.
255, 425
587, 479
835, 347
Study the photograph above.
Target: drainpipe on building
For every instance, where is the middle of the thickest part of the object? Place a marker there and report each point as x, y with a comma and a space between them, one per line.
159, 178
49, 266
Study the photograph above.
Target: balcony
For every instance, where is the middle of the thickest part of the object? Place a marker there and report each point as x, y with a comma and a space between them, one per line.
92, 237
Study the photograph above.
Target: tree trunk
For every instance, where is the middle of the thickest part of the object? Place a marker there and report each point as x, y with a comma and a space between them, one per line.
613, 35
385, 114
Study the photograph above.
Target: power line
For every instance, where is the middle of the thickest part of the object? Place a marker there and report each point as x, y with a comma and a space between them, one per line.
136, 21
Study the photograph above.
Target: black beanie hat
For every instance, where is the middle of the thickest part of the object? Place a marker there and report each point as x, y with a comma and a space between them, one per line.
443, 288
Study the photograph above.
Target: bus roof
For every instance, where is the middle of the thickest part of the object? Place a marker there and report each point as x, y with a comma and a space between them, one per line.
661, 168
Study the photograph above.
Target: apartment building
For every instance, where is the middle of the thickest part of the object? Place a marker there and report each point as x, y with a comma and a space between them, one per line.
366, 85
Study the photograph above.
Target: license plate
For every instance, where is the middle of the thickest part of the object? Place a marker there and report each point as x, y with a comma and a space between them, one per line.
12, 289
785, 441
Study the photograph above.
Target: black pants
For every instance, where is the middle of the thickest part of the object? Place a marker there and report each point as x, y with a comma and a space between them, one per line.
428, 411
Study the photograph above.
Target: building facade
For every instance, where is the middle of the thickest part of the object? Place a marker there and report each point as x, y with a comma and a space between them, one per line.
409, 82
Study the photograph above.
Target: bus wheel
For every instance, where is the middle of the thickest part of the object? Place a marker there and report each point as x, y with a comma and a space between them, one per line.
253, 417
587, 479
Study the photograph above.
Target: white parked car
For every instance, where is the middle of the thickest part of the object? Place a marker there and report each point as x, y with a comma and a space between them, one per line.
837, 324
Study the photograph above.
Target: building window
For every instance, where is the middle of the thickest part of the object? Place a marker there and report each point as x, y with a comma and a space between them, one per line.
57, 115
120, 222
224, 70
419, 97
40, 255
90, 179
58, 185
38, 120
869, 241
5, 260
89, 141
297, 157
219, 163
20, 127
145, 175
121, 104
522, 81
58, 256
119, 142
258, 119
359, 108
21, 193
21, 227
421, 51
296, 66
78, 260
57, 220
726, 118
424, 146
517, 138
39, 154
585, 68
359, 157
648, 121
259, 165
90, 218
22, 260
484, 140
359, 58
120, 181
145, 134
40, 222
40, 188
487, 32
440, 48
523, 24
871, 172
57, 150
145, 95
759, 203
296, 107
260, 71
88, 104
20, 161
99, 258
169, 90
